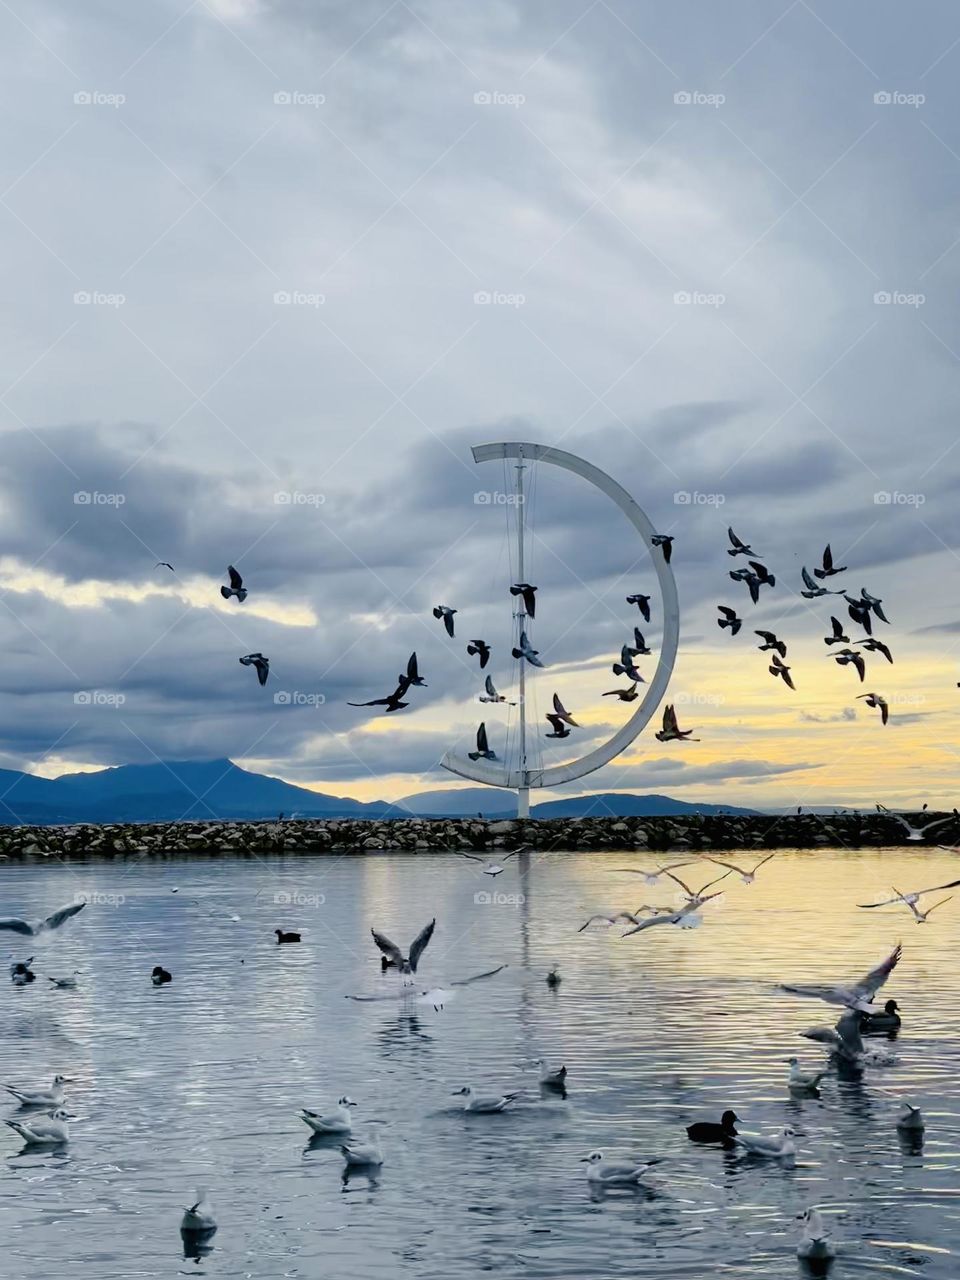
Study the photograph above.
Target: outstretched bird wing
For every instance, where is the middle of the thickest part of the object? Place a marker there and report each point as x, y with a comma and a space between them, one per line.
235, 580
420, 942
56, 920
874, 980
389, 949
18, 926
482, 738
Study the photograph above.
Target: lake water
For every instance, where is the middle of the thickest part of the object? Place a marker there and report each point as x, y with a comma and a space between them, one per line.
199, 1083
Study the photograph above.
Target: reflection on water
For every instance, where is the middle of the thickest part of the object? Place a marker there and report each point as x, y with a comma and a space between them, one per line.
198, 1084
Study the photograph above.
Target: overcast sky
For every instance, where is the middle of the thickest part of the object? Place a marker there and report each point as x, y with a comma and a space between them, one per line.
272, 266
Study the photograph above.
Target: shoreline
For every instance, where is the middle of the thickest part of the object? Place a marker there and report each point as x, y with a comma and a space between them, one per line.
294, 837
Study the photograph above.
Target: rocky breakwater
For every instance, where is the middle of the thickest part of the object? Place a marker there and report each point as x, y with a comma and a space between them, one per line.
129, 841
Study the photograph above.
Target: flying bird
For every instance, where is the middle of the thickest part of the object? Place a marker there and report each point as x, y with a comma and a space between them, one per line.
875, 646
481, 649
236, 587
856, 995
777, 668
483, 750
665, 542
164, 564
642, 603
729, 619
494, 868
827, 570
413, 676
529, 595
859, 611
491, 694
763, 573
770, 641
527, 651
626, 667
671, 732
915, 834
560, 730
261, 663
640, 649
877, 700
562, 712
838, 637
747, 876
652, 877
393, 702
699, 895
51, 922
685, 918
813, 591
393, 957
752, 581
625, 695
847, 657
738, 548
442, 611
628, 917
874, 603
908, 899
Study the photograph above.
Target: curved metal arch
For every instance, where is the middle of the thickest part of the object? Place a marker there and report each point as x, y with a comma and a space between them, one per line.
488, 772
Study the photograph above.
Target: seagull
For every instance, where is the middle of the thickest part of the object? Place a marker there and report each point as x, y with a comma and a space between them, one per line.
875, 646
51, 922
641, 649
481, 1103
776, 1148
729, 619
560, 730
828, 570
236, 587
670, 731
915, 834
813, 591
625, 695
747, 877
913, 1120
360, 1155
642, 603
844, 1039
626, 667
699, 896
393, 957
65, 984
857, 995
550, 1078
877, 700
338, 1121
435, 996
529, 595
261, 663
770, 641
563, 713
52, 1097
483, 749
160, 976
801, 1082
43, 1131
628, 917
777, 668
653, 877
874, 603
814, 1242
846, 657
527, 651
492, 695
413, 676
738, 548
921, 916
21, 975
164, 564
909, 899
481, 649
859, 611
615, 1173
393, 701
664, 541
686, 917
442, 611
199, 1219
494, 868
838, 637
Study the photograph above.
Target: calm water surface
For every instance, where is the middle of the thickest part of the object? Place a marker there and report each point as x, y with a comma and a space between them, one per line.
198, 1084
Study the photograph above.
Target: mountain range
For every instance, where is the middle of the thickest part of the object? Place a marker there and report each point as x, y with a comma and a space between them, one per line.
208, 789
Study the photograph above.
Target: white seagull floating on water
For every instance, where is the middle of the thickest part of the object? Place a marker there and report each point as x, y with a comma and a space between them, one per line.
484, 1104
338, 1121
780, 1146
51, 1097
615, 1173
43, 1131
199, 1219
814, 1242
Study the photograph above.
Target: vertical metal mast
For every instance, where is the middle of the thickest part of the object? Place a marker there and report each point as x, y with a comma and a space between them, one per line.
523, 792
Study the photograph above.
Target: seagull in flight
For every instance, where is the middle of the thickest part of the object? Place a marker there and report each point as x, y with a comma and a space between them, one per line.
877, 700
481, 649
838, 637
828, 569
846, 657
236, 587
529, 595
393, 702
625, 695
51, 922
686, 917
393, 957
700, 895
628, 917
494, 868
642, 603
560, 730
413, 676
856, 995
729, 619
665, 542
921, 916
442, 611
875, 646
747, 877
626, 667
527, 651
164, 564
770, 641
652, 877
738, 548
671, 732
483, 750
491, 693
813, 591
261, 663
909, 899
915, 835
